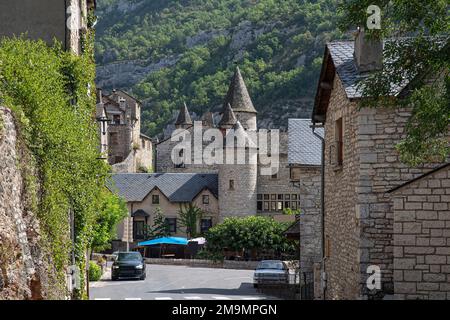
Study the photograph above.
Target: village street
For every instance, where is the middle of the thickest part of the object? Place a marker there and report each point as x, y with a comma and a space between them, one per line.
180, 283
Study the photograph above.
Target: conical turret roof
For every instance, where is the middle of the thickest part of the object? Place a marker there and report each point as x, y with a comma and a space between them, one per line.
183, 117
228, 117
208, 119
238, 96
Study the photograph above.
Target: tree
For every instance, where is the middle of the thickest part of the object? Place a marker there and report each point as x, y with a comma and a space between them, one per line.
254, 233
190, 215
113, 210
415, 60
160, 228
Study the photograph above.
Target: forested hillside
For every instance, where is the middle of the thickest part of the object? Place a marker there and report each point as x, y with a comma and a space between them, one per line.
169, 51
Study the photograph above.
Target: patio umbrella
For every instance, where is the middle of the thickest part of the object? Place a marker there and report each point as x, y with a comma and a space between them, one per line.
164, 240
200, 240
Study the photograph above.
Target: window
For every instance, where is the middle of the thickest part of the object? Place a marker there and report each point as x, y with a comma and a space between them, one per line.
181, 162
280, 197
266, 197
294, 197
287, 197
205, 225
138, 230
286, 204
259, 196
155, 199
266, 205
205, 199
273, 197
339, 139
172, 224
116, 119
280, 205
143, 144
273, 206
259, 205
231, 184
275, 176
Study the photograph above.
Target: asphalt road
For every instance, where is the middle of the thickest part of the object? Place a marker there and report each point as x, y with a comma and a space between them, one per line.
180, 283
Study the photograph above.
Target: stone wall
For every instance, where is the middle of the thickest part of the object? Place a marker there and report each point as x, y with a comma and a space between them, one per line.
358, 208
23, 272
43, 19
342, 234
422, 238
380, 169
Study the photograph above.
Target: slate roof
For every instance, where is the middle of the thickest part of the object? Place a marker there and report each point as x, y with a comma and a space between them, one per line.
238, 96
177, 187
342, 55
228, 117
304, 148
183, 116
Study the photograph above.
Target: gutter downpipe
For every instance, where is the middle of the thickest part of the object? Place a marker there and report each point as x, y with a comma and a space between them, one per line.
322, 196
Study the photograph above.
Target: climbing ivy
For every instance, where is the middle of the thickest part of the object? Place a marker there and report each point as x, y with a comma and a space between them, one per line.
51, 93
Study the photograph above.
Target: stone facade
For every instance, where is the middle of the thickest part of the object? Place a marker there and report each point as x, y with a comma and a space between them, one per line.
422, 237
46, 20
169, 210
361, 166
127, 149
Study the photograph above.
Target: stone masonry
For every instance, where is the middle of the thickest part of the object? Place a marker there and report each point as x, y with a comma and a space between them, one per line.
422, 237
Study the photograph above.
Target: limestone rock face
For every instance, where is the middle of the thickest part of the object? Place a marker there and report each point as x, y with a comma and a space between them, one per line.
21, 265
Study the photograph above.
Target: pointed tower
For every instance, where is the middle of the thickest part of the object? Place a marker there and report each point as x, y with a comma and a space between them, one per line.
184, 119
228, 118
240, 101
208, 120
237, 179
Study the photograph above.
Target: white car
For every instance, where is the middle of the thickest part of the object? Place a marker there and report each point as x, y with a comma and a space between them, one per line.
271, 272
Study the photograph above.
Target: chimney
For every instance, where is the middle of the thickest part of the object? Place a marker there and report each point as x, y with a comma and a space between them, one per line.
99, 96
368, 52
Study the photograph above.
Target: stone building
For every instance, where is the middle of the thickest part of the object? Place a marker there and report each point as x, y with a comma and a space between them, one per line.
47, 20
170, 192
126, 148
361, 166
243, 189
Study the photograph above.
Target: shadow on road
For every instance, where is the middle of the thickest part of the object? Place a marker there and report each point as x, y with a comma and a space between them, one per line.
244, 289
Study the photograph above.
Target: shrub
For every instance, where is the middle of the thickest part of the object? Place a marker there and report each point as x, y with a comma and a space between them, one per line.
253, 234
95, 271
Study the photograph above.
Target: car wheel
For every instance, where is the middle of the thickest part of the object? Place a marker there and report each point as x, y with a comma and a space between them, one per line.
114, 278
143, 276
255, 285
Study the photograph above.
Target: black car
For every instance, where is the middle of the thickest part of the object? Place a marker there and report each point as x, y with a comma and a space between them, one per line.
128, 265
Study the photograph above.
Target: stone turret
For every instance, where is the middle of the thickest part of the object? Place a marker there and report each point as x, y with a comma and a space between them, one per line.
238, 179
184, 119
239, 99
208, 120
228, 118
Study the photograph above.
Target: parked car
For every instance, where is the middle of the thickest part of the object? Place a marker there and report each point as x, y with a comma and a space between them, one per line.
128, 265
271, 272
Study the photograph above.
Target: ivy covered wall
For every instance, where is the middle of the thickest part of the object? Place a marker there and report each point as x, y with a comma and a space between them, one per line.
52, 97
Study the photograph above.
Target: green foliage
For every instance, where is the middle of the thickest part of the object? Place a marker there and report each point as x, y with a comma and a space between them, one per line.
113, 209
289, 211
288, 31
253, 233
95, 271
190, 216
48, 91
160, 228
423, 60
